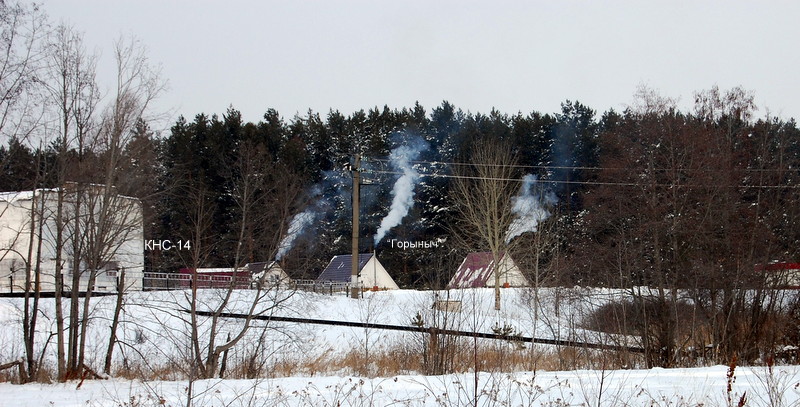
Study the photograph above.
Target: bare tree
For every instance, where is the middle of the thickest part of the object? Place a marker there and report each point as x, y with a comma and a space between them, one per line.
22, 30
689, 208
20, 251
482, 193
116, 219
534, 253
266, 194
93, 217
73, 96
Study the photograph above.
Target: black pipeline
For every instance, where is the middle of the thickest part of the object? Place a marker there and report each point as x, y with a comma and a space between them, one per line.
434, 331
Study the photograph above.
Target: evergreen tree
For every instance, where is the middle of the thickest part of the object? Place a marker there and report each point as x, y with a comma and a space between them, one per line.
18, 173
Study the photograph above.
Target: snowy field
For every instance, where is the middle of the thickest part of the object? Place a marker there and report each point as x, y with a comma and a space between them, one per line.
154, 337
153, 319
654, 387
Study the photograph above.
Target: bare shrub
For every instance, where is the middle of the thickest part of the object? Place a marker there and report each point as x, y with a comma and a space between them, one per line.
625, 317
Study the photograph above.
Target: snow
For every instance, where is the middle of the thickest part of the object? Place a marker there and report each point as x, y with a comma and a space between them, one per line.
152, 319
674, 387
155, 331
16, 196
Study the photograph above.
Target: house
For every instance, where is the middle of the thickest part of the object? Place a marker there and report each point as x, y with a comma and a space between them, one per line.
478, 270
241, 278
371, 272
111, 229
272, 272
781, 275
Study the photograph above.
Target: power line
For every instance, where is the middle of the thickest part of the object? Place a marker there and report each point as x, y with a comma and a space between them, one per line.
451, 164
606, 183
583, 168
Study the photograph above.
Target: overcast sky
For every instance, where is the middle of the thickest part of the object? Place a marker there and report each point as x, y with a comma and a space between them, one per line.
513, 56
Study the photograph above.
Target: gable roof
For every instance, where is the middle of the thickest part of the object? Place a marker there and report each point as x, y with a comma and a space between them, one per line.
340, 267
261, 266
475, 271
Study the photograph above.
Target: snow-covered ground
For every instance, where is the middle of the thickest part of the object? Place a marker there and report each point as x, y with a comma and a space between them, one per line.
154, 337
154, 330
654, 387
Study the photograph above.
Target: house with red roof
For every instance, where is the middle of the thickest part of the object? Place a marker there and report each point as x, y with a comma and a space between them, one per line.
478, 270
781, 275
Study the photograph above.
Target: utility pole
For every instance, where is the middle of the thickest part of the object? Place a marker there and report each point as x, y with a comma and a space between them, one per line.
356, 186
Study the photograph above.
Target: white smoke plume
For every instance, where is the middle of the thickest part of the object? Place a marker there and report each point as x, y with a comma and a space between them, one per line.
324, 196
529, 208
296, 227
403, 191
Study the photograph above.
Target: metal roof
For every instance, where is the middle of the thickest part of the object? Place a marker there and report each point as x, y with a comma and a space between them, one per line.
475, 270
341, 267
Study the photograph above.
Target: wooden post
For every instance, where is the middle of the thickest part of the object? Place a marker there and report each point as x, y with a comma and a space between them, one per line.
356, 185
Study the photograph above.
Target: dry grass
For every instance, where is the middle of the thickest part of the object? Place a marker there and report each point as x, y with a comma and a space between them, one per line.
458, 356
400, 360
169, 371
44, 374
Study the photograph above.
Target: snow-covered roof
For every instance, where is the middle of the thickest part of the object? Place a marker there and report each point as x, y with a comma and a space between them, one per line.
16, 196
475, 270
209, 270
261, 266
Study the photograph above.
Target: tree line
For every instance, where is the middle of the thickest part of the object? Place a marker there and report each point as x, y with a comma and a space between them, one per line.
647, 197
718, 184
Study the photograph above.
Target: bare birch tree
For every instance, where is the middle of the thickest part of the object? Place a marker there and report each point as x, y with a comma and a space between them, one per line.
22, 31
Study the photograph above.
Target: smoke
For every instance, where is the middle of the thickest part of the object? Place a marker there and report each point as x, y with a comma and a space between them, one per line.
529, 208
321, 201
296, 228
403, 191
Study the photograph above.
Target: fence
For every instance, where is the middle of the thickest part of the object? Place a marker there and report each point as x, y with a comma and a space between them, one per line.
151, 281
105, 281
323, 287
177, 281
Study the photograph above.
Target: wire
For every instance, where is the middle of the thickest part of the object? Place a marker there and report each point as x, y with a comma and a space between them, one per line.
567, 167
490, 165
549, 181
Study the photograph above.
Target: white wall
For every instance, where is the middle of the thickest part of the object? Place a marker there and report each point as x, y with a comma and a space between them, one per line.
373, 274
509, 272
14, 240
123, 246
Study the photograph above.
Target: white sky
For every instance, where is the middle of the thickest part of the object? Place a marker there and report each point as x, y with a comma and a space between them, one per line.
513, 56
